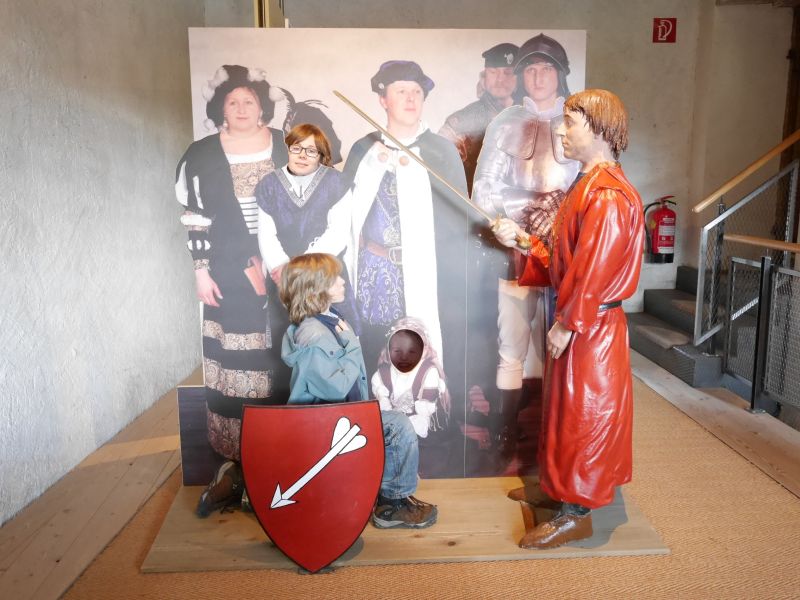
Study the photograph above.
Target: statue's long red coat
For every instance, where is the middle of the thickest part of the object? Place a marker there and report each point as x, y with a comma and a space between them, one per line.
586, 447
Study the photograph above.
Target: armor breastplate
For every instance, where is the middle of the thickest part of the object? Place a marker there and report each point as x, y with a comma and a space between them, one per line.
537, 161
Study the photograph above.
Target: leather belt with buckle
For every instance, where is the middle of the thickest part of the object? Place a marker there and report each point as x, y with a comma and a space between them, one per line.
608, 305
602, 307
394, 254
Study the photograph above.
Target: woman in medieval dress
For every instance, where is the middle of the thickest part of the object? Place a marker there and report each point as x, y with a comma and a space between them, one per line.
216, 179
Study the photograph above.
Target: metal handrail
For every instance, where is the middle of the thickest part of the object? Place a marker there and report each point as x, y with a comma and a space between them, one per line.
703, 332
746, 172
762, 242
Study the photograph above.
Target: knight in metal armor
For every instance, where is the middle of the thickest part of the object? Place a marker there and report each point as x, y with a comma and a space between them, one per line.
466, 127
522, 175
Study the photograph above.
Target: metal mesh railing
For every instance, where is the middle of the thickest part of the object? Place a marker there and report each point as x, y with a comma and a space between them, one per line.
740, 351
782, 373
755, 215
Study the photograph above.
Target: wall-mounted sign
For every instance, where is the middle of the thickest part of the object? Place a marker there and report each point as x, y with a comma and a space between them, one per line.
664, 30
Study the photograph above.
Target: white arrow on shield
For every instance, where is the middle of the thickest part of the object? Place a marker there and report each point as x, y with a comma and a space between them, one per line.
345, 439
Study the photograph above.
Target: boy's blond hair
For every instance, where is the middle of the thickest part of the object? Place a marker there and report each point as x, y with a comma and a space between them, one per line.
305, 281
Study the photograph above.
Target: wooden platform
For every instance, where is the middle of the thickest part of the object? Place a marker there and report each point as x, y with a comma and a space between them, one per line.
477, 522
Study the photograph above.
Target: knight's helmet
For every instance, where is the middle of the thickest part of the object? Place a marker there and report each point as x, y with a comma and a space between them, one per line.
545, 47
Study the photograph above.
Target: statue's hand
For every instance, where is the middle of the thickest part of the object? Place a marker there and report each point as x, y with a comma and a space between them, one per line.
510, 234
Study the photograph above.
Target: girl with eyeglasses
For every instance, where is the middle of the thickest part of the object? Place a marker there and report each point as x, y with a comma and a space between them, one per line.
293, 205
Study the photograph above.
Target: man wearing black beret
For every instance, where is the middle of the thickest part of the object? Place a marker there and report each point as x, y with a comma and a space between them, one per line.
404, 233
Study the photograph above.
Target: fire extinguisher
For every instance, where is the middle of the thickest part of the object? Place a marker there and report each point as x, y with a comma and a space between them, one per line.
660, 230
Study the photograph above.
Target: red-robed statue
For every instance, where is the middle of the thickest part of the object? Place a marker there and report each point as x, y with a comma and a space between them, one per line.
593, 264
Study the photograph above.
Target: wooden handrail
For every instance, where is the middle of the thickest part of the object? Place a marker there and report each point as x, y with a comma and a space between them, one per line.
762, 242
737, 179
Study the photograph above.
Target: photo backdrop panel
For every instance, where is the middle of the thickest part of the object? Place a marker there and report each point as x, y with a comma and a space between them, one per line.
465, 438
311, 63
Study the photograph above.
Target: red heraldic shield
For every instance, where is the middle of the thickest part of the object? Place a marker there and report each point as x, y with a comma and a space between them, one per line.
312, 474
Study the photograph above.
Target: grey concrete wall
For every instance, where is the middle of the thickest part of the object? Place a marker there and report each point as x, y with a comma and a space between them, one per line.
98, 318
229, 13
741, 97
688, 101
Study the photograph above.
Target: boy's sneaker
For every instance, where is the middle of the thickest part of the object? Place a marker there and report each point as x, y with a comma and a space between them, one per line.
406, 512
246, 504
224, 490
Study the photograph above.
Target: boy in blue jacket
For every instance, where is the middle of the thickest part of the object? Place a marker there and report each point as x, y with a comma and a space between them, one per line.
327, 366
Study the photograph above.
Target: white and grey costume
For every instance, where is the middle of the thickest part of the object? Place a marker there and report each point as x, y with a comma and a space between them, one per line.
522, 174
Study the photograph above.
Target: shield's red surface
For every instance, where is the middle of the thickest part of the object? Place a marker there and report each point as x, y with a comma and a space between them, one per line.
312, 474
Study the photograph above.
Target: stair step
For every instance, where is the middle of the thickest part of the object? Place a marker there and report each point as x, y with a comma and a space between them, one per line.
675, 307
671, 348
657, 331
686, 279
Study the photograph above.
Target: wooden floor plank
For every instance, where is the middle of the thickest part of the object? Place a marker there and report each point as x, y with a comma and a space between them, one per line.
768, 443
144, 474
49, 543
476, 522
33, 517
17, 533
120, 506
71, 490
89, 520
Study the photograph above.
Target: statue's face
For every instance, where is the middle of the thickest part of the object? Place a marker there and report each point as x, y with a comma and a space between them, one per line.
579, 142
500, 82
541, 82
403, 102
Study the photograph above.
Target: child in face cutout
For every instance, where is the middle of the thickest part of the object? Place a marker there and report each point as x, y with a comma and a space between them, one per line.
410, 379
405, 350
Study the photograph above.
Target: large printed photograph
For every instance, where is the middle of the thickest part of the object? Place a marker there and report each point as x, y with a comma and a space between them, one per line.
282, 167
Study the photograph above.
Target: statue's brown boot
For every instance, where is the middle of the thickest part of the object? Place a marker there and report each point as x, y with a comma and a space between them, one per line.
534, 495
561, 529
